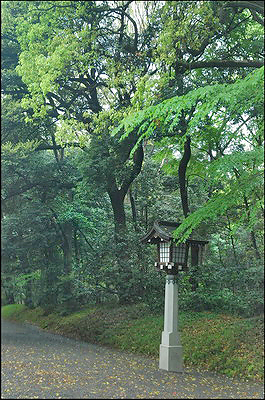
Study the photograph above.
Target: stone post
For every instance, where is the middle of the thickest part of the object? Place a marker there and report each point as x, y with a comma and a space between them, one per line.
171, 358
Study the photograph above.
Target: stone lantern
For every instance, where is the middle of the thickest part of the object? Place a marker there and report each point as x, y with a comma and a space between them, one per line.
172, 258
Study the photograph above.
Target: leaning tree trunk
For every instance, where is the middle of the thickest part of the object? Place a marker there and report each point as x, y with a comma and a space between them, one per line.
185, 204
117, 196
182, 177
124, 275
117, 203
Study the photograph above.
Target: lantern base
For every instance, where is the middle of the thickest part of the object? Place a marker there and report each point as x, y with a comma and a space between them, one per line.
171, 358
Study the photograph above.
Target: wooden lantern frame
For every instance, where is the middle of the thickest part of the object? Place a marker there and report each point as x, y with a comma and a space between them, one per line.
162, 232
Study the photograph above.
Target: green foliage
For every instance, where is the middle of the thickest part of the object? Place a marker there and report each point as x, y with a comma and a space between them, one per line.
73, 71
222, 346
241, 176
209, 101
218, 107
225, 284
13, 311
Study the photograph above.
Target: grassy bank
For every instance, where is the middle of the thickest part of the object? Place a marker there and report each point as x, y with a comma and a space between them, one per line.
215, 342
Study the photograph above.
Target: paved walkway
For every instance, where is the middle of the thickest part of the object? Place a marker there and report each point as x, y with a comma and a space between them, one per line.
40, 365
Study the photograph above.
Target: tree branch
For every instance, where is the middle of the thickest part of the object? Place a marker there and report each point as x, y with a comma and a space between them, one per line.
257, 6
221, 64
53, 147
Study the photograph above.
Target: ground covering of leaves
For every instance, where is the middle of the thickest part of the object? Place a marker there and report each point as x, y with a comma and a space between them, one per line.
216, 342
38, 364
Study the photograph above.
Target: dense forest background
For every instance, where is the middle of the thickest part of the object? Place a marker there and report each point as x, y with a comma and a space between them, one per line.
119, 113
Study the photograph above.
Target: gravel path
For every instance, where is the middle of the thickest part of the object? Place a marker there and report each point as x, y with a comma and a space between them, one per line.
40, 365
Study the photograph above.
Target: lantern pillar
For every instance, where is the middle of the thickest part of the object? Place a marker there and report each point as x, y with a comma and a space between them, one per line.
171, 358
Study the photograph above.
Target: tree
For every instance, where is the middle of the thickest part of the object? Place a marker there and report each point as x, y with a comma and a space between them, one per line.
67, 80
187, 58
216, 113
77, 68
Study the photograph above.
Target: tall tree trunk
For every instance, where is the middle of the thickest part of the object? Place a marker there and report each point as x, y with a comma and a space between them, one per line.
117, 203
117, 196
252, 233
133, 207
232, 240
182, 177
185, 206
76, 247
49, 279
67, 247
123, 275
68, 299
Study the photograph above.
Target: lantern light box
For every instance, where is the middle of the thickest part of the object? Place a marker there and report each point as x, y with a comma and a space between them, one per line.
171, 257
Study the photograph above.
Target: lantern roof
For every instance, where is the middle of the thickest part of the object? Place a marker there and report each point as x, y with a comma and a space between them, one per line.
163, 231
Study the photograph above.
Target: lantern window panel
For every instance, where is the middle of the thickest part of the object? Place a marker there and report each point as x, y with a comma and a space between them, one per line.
179, 253
164, 251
